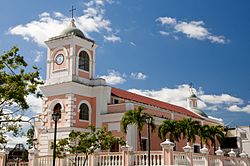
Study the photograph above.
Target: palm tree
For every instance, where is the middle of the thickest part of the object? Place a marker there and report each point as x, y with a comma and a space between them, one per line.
139, 118
169, 129
204, 134
216, 133
189, 128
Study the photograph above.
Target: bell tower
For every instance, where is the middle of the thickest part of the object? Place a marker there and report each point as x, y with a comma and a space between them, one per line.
71, 57
70, 88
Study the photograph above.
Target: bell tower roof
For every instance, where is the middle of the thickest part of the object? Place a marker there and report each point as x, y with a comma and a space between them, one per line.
73, 30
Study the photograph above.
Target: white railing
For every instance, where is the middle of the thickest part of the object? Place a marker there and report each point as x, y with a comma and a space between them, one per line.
108, 159
229, 161
45, 160
198, 159
79, 160
180, 158
140, 158
15, 163
214, 160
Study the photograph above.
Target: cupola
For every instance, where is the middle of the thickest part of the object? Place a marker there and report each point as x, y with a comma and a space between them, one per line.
73, 30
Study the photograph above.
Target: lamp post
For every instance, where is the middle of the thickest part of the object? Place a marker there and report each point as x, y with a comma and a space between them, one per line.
149, 120
55, 117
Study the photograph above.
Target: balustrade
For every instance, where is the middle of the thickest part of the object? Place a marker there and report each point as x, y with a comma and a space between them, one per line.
108, 159
141, 158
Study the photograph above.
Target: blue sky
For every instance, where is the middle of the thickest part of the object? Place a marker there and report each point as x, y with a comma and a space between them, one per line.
154, 48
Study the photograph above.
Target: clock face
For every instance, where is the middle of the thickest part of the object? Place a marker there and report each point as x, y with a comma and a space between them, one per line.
59, 59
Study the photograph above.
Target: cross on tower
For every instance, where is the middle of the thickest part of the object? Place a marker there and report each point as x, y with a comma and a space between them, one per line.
72, 11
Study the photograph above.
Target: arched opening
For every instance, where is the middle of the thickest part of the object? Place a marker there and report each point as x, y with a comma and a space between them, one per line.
83, 61
57, 109
84, 112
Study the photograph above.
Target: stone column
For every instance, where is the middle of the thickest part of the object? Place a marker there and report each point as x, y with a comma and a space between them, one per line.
220, 153
125, 154
168, 153
188, 150
33, 154
205, 151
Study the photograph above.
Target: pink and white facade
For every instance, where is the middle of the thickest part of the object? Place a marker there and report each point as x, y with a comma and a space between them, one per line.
86, 100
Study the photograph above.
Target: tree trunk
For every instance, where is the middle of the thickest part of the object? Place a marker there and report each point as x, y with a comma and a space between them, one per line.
214, 145
86, 158
140, 140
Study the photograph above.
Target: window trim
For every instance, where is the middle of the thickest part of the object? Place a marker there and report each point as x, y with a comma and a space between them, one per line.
90, 110
51, 109
87, 54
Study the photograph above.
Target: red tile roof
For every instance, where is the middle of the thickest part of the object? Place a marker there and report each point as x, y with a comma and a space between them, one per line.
149, 101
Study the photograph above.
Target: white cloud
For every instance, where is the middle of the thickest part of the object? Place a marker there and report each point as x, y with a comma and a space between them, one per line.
166, 20
44, 14
92, 20
176, 96
12, 141
114, 77
58, 14
192, 29
138, 76
38, 55
164, 33
179, 95
34, 103
112, 38
132, 43
236, 108
221, 99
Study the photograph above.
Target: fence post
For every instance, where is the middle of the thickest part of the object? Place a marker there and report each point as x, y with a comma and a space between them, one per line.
3, 154
232, 156
168, 153
205, 151
33, 154
125, 155
188, 150
92, 160
243, 156
220, 153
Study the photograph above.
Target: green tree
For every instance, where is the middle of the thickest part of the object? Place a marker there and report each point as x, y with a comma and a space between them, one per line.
85, 142
217, 134
17, 81
30, 137
189, 129
139, 118
204, 134
169, 129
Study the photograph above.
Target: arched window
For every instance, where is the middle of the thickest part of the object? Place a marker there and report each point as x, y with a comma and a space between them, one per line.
84, 112
84, 61
58, 108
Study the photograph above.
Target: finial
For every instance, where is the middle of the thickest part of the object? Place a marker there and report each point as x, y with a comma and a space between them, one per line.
191, 88
72, 12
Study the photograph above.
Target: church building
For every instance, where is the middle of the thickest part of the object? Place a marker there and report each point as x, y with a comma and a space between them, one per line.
82, 99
